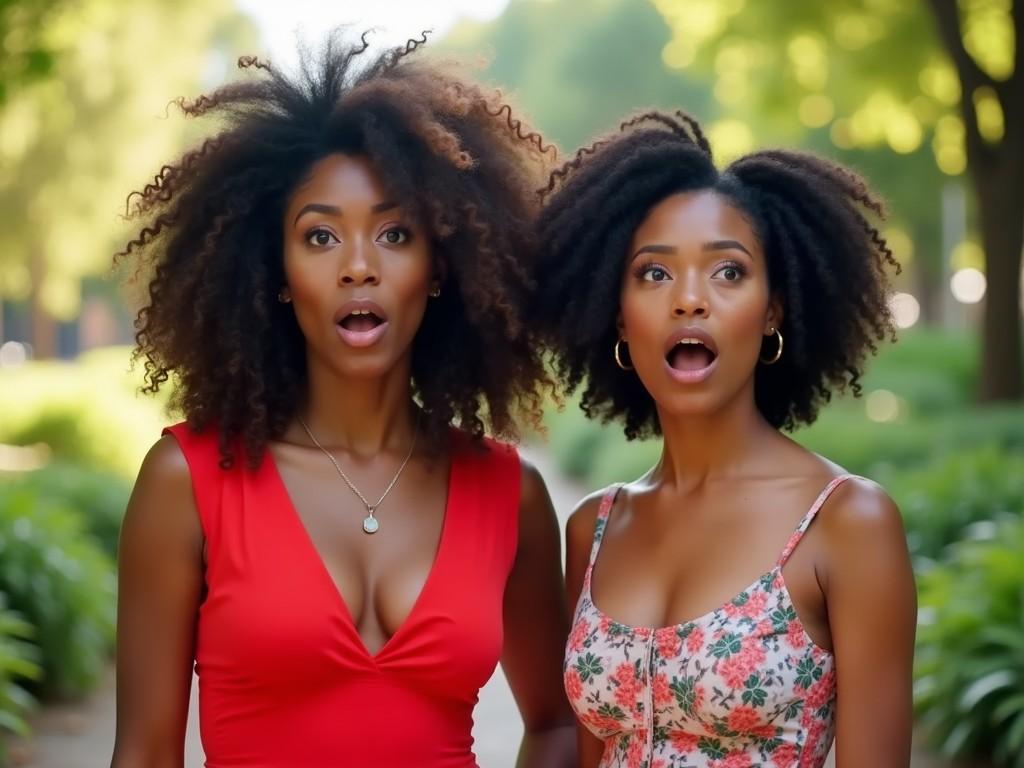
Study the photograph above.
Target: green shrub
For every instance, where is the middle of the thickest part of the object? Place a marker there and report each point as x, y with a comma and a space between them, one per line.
99, 497
58, 578
941, 500
969, 668
88, 412
18, 659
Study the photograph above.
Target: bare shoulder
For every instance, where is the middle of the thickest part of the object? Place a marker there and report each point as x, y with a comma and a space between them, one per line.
580, 527
860, 507
162, 499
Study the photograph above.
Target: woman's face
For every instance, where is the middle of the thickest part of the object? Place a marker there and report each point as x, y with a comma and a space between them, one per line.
695, 304
357, 270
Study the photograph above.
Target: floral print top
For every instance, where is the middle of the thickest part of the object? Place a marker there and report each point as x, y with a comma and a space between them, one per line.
743, 686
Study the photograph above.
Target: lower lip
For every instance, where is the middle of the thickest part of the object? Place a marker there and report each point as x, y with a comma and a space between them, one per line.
691, 377
361, 339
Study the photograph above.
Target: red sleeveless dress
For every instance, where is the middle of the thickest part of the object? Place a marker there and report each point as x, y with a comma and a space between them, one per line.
284, 678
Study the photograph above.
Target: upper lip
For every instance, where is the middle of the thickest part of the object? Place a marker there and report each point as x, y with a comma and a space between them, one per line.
361, 305
691, 333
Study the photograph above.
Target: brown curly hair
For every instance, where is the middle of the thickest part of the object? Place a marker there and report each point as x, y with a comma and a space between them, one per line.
453, 156
826, 262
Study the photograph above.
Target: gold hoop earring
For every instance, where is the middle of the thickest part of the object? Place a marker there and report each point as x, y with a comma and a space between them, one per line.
778, 352
618, 357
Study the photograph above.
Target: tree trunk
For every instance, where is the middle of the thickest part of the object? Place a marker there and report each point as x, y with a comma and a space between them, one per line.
1001, 211
43, 328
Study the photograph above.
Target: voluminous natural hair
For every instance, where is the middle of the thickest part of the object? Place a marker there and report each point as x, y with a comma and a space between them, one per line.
452, 155
826, 263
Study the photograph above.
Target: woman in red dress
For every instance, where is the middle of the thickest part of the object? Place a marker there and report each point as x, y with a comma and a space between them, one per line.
330, 538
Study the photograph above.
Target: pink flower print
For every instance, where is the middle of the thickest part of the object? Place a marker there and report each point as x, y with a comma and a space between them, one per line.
744, 719
600, 723
661, 693
735, 759
784, 756
814, 734
573, 684
579, 634
635, 751
669, 644
683, 742
765, 628
778, 582
755, 605
795, 635
819, 694
753, 653
605, 625
628, 685
695, 640
734, 670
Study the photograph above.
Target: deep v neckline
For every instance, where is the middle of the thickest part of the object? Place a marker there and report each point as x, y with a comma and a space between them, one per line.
324, 574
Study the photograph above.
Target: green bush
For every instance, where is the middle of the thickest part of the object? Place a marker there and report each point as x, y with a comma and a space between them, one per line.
18, 659
58, 578
969, 668
99, 497
88, 412
942, 500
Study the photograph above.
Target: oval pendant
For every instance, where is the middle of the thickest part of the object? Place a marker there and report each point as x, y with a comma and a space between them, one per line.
370, 524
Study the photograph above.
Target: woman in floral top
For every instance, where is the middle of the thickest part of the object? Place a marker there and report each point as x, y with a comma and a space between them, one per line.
714, 624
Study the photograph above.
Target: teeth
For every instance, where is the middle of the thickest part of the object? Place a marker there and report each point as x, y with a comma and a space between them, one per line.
690, 341
361, 312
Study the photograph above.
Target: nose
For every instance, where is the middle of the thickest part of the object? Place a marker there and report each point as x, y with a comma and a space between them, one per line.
358, 264
690, 299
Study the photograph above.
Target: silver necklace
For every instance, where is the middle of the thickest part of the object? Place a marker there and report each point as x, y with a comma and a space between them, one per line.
370, 522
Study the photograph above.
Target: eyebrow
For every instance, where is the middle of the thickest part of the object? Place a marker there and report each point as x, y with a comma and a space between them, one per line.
334, 210
714, 245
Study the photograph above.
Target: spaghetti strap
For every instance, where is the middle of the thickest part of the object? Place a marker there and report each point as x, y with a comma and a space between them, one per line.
808, 518
607, 501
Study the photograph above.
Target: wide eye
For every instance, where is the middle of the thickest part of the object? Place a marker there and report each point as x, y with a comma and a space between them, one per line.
395, 236
731, 273
321, 238
654, 274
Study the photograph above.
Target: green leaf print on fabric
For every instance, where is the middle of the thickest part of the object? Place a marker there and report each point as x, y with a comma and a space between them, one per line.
588, 666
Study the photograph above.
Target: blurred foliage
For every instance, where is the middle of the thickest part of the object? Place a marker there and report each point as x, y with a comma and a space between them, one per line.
18, 664
969, 668
26, 54
578, 67
99, 498
88, 412
948, 498
91, 126
61, 582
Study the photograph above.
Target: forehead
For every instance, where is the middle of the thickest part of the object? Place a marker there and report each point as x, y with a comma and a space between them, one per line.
695, 217
339, 177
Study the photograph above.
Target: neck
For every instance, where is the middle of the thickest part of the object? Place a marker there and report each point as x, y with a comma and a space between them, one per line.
698, 448
363, 416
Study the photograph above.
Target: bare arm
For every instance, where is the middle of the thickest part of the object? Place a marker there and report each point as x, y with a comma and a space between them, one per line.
579, 537
536, 628
872, 608
160, 578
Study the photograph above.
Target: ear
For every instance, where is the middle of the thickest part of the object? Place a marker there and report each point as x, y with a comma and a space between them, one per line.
775, 315
620, 326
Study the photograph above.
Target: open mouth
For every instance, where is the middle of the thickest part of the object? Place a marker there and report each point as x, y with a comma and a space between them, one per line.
360, 323
690, 355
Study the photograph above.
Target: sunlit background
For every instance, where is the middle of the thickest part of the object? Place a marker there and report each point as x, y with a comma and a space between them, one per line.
919, 95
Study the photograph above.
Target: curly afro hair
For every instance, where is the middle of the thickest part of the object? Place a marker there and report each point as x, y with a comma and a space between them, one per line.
210, 247
826, 263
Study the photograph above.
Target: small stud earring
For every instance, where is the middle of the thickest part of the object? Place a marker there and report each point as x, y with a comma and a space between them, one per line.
435, 292
283, 297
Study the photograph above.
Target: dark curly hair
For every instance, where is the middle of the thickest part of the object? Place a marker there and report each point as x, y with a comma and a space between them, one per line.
453, 156
826, 262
